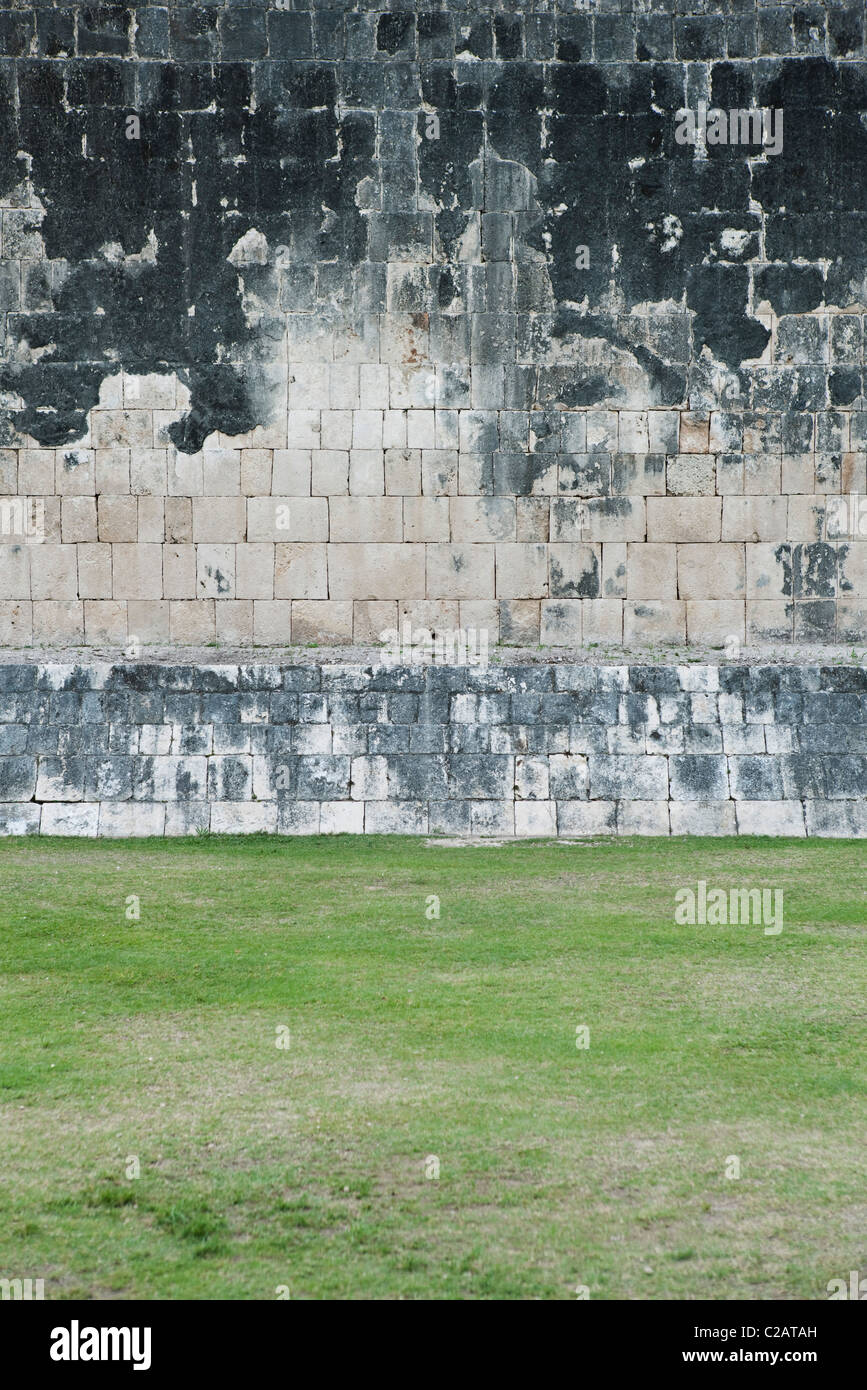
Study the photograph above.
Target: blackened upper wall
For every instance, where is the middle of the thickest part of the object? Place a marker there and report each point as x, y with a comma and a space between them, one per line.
461, 266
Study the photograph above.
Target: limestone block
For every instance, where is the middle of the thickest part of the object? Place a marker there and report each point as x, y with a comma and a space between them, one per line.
647, 620
272, 622
223, 519
713, 622
380, 571
754, 518
372, 519
691, 475
54, 573
58, 623
291, 472
215, 571
685, 518
192, 622
366, 472
482, 518
707, 571
315, 621
459, 571
286, 519
425, 519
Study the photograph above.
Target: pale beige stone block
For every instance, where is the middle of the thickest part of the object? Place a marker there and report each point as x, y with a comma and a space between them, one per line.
54, 573
256, 467
52, 519
521, 571
35, 472
770, 620
439, 472
329, 473
561, 622
694, 433
184, 474
234, 621
151, 391
9, 472
367, 519
376, 571
366, 472
137, 571
854, 474
215, 571
797, 473
421, 429
303, 429
370, 619
148, 619
117, 518
754, 518
482, 615
74, 473
685, 518
178, 519
482, 519
336, 433
600, 518
78, 519
124, 429
762, 474
286, 519
272, 622
221, 472
148, 472
151, 519
769, 571
691, 475
430, 615
425, 518
460, 571
532, 518
291, 473
322, 622
94, 571
179, 572
254, 570
602, 621
712, 621
301, 571
806, 520
646, 621
853, 568
614, 555
223, 518
105, 623
192, 622
393, 430
707, 571
403, 472
16, 623
373, 380
651, 571
634, 437
57, 623
15, 570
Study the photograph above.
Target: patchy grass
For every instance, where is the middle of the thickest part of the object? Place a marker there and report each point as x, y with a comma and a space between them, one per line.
156, 1040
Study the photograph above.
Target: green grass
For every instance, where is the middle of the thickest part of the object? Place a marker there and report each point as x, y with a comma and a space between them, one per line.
304, 1166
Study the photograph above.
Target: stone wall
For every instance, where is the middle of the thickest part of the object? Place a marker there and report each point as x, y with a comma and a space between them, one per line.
522, 750
325, 319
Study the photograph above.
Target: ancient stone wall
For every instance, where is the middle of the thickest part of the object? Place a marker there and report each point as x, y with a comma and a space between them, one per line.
541, 750
319, 320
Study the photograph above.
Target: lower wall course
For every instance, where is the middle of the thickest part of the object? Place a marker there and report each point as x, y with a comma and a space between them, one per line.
130, 750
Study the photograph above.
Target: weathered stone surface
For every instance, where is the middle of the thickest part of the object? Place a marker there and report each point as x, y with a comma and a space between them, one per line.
153, 749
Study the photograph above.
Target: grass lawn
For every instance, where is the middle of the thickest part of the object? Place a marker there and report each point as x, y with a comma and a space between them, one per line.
409, 1037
